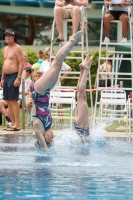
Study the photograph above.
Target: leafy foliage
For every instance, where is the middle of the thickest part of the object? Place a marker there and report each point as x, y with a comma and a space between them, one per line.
32, 56
27, 28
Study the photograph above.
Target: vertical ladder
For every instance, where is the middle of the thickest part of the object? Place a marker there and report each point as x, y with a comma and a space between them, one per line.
84, 38
83, 44
117, 59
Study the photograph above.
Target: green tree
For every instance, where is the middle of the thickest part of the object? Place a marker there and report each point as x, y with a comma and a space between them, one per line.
27, 28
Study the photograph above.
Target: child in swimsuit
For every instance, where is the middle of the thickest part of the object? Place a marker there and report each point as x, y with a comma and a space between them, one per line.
40, 89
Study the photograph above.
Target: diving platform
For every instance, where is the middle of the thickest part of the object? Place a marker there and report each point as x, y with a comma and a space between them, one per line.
44, 8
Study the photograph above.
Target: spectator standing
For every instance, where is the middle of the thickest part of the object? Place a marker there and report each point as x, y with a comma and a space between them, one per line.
67, 9
36, 66
118, 10
3, 104
25, 57
11, 75
40, 57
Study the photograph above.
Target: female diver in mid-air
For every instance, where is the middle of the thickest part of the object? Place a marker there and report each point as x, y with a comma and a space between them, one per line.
42, 118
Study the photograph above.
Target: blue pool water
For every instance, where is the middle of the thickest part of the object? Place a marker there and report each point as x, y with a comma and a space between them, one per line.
68, 171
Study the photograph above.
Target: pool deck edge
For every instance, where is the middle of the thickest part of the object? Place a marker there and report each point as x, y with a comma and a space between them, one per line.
30, 132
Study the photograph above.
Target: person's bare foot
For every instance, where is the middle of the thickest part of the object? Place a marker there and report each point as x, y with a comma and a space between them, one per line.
75, 37
16, 127
84, 61
13, 129
88, 63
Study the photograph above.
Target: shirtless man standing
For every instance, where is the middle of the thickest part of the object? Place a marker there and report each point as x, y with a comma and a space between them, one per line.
11, 76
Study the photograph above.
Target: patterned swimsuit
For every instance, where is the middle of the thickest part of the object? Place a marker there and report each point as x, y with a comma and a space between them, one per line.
42, 107
83, 133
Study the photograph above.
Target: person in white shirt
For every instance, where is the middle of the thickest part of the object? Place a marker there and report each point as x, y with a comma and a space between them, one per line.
46, 65
67, 9
118, 10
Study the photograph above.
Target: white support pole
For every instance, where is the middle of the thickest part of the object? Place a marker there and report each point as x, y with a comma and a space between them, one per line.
119, 31
23, 103
65, 30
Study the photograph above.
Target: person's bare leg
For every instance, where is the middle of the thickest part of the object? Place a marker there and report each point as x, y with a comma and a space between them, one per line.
84, 61
19, 106
28, 106
15, 108
107, 19
75, 18
3, 110
124, 20
82, 106
58, 15
87, 62
10, 111
50, 77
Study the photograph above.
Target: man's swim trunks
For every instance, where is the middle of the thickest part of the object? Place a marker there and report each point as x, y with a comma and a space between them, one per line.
42, 107
9, 91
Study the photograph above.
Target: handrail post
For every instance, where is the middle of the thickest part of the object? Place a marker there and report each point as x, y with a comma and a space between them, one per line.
23, 103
